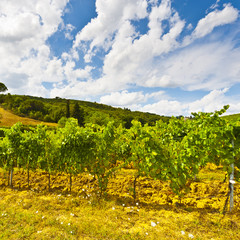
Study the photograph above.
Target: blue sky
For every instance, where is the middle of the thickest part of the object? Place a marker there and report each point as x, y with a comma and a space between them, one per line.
170, 57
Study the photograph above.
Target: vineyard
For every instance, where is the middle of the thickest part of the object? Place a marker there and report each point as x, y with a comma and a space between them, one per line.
159, 164
173, 151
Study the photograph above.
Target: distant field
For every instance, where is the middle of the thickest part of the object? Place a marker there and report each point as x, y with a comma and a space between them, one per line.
7, 119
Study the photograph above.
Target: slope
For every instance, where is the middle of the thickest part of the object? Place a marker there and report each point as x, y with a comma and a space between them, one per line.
7, 119
52, 110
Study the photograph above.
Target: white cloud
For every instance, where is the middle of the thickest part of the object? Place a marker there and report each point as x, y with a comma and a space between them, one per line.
125, 98
68, 30
77, 90
130, 60
214, 100
74, 74
54, 70
159, 95
111, 15
203, 66
157, 15
154, 59
14, 80
19, 27
189, 26
214, 19
165, 107
197, 66
157, 58
215, 5
25, 58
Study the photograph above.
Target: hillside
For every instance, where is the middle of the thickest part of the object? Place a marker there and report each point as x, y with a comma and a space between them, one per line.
232, 117
52, 110
7, 119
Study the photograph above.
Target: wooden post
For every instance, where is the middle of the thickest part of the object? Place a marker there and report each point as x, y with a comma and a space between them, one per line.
231, 184
70, 182
49, 181
11, 178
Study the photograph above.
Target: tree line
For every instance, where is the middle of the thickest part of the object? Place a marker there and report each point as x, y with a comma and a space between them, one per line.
52, 110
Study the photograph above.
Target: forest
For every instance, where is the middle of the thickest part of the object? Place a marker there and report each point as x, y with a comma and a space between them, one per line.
52, 110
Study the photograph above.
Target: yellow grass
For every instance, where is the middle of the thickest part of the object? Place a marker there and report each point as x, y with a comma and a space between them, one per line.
28, 215
8, 119
38, 214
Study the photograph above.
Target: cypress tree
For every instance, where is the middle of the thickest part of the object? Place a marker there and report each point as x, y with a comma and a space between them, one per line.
78, 113
68, 109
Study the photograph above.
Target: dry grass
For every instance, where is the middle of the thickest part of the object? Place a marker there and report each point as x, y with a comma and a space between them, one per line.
38, 214
8, 119
30, 215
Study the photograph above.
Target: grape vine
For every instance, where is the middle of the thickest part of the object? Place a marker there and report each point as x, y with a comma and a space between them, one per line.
173, 151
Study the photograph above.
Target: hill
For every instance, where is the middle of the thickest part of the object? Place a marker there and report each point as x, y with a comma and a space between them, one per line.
7, 119
53, 109
232, 117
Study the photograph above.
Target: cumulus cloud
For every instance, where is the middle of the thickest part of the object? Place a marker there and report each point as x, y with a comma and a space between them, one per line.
74, 74
212, 101
157, 58
125, 98
216, 18
77, 90
24, 28
19, 27
165, 107
111, 15
132, 58
216, 99
161, 57
68, 31
203, 66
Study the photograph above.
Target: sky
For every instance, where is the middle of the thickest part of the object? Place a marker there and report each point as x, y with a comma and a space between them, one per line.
169, 57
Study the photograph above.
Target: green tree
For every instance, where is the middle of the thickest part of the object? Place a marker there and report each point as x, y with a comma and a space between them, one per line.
3, 88
68, 109
57, 114
78, 113
62, 122
127, 122
99, 118
32, 106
